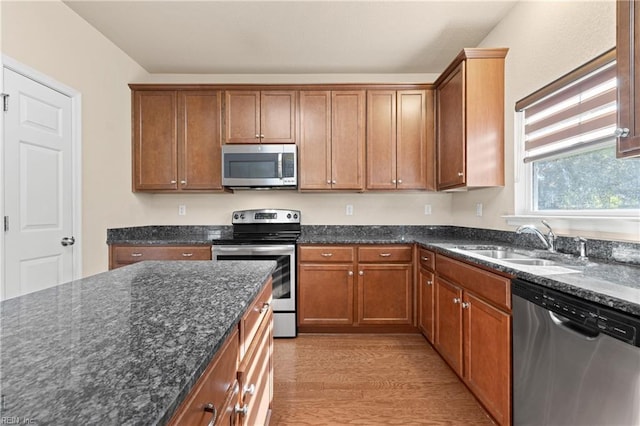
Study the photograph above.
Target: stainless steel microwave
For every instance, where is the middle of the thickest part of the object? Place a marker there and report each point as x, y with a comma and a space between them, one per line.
259, 166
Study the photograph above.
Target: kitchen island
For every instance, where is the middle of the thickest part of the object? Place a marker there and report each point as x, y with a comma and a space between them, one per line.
123, 347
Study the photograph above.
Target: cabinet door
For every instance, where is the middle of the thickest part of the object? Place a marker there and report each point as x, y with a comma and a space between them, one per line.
241, 116
199, 140
155, 153
487, 343
448, 300
426, 305
348, 139
385, 294
315, 140
381, 139
628, 69
212, 388
451, 130
278, 117
325, 294
411, 148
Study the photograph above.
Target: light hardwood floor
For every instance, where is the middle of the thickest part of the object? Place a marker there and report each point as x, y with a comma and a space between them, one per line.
367, 380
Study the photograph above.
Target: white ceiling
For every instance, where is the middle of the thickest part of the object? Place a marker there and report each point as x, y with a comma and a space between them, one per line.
293, 37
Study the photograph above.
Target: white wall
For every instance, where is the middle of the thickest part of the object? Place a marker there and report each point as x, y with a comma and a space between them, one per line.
50, 38
545, 40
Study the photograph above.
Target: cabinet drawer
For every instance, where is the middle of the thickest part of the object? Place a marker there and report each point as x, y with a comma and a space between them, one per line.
212, 387
326, 253
254, 376
132, 254
254, 316
385, 254
427, 259
491, 287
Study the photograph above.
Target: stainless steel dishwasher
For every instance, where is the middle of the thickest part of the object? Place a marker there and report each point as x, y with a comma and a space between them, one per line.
574, 362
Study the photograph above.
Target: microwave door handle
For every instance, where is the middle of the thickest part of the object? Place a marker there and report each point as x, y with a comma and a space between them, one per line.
280, 165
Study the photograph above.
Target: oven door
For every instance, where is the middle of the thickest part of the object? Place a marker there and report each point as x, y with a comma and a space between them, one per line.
284, 277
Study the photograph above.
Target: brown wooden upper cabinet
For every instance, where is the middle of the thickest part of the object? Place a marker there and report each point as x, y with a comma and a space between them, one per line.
399, 142
260, 116
628, 65
470, 120
176, 140
332, 140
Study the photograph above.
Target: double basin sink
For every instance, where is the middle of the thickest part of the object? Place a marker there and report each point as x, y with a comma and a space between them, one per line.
511, 256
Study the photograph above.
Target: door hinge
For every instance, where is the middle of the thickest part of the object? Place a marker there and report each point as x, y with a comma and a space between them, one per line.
5, 101
6, 223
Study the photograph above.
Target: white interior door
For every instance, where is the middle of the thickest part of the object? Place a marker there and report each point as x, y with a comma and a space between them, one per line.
37, 186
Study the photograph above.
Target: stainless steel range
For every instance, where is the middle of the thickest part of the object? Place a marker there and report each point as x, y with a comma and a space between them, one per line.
268, 234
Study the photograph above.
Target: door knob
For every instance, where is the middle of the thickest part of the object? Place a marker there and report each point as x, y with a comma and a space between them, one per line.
68, 241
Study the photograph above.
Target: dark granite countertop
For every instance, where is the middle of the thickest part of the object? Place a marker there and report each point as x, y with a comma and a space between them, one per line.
611, 277
123, 347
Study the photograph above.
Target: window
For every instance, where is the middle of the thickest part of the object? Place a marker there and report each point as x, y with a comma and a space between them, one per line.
568, 162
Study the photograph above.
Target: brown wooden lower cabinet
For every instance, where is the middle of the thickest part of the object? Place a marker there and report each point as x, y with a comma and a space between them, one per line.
347, 288
209, 396
122, 255
426, 293
237, 386
473, 331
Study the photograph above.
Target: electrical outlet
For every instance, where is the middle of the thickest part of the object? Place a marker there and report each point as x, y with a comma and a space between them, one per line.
182, 210
427, 209
349, 210
479, 209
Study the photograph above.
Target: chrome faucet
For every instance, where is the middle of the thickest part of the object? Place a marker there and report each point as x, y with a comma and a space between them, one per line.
549, 240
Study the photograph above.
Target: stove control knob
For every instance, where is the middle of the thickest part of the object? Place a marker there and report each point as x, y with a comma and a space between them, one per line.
295, 215
242, 216
288, 215
235, 216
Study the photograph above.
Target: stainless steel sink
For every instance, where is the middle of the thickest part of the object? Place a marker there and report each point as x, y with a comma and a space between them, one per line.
498, 253
531, 261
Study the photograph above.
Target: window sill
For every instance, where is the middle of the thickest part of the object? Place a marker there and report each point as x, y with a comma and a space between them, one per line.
628, 225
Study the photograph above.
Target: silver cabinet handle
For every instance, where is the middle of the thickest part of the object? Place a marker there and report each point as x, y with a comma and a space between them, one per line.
460, 174
393, 181
385, 254
361, 273
621, 132
136, 254
68, 241
187, 254
399, 180
250, 389
257, 136
326, 254
241, 410
173, 181
333, 182
329, 182
465, 305
350, 273
183, 182
210, 408
265, 307
456, 300
261, 136
429, 282
425, 258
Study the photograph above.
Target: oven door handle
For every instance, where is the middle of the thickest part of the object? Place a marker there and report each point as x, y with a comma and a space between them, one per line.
272, 250
280, 165
227, 249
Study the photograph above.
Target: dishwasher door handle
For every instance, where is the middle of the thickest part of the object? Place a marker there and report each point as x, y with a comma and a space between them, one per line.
580, 330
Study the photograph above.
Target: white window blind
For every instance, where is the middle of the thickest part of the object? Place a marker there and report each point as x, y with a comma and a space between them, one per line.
575, 112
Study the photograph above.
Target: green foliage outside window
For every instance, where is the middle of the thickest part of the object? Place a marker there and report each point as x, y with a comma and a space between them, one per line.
594, 180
